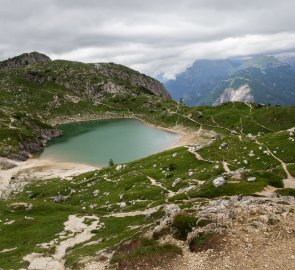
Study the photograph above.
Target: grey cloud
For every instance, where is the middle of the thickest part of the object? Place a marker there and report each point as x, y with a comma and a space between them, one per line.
152, 36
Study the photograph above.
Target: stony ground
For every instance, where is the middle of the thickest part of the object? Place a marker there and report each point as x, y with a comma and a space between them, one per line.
254, 233
245, 250
247, 247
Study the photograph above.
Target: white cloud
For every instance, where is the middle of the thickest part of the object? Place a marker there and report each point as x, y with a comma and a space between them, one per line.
155, 37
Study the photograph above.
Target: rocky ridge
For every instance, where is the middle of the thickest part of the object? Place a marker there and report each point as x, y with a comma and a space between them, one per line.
24, 60
260, 79
35, 87
148, 84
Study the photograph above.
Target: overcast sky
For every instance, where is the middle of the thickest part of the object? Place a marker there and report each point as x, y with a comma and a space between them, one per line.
152, 36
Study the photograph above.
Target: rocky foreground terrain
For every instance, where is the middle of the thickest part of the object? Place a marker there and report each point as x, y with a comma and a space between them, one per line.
252, 233
242, 233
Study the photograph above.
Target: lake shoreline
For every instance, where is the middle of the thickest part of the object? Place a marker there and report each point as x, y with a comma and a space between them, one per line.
34, 169
44, 169
188, 136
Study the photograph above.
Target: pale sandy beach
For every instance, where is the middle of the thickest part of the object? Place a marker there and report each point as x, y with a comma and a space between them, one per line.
36, 169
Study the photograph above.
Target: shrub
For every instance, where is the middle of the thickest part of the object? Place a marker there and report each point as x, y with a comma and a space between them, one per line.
159, 234
111, 162
202, 222
172, 167
183, 224
205, 241
140, 253
276, 182
198, 242
286, 192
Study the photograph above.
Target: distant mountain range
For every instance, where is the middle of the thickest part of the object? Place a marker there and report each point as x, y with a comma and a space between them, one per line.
260, 79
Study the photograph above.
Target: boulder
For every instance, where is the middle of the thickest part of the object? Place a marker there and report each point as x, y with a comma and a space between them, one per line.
95, 192
171, 210
218, 182
176, 181
59, 198
20, 206
6, 165
122, 204
120, 167
222, 146
251, 179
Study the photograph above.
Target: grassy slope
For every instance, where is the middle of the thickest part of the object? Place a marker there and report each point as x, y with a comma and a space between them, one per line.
56, 90
232, 121
133, 180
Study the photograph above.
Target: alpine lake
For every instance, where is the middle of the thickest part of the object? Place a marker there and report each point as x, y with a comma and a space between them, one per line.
96, 142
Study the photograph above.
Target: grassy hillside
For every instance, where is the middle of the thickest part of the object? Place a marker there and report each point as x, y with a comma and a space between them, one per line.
150, 182
250, 147
34, 87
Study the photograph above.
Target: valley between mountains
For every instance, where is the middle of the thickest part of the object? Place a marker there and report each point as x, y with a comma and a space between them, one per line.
223, 198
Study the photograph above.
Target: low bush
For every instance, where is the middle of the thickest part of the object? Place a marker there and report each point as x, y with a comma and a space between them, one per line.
205, 241
143, 253
286, 192
183, 225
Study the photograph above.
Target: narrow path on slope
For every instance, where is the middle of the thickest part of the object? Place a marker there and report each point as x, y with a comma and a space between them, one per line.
241, 130
75, 232
192, 150
157, 184
289, 182
135, 213
250, 106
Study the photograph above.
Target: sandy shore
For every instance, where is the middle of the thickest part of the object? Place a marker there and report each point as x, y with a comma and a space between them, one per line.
36, 169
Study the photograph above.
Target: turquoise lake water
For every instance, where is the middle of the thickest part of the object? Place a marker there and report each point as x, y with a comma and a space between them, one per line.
96, 142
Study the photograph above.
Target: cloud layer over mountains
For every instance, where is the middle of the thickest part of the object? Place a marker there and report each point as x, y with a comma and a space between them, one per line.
155, 37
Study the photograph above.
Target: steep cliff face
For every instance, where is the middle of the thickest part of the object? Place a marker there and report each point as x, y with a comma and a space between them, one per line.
242, 94
194, 84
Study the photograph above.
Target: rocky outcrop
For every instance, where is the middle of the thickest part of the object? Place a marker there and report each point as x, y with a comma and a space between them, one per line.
253, 213
112, 88
171, 210
34, 145
91, 81
242, 94
150, 84
24, 60
145, 83
6, 165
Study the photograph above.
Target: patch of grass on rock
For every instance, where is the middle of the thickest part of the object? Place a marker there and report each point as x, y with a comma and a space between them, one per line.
183, 225
205, 241
144, 254
286, 192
